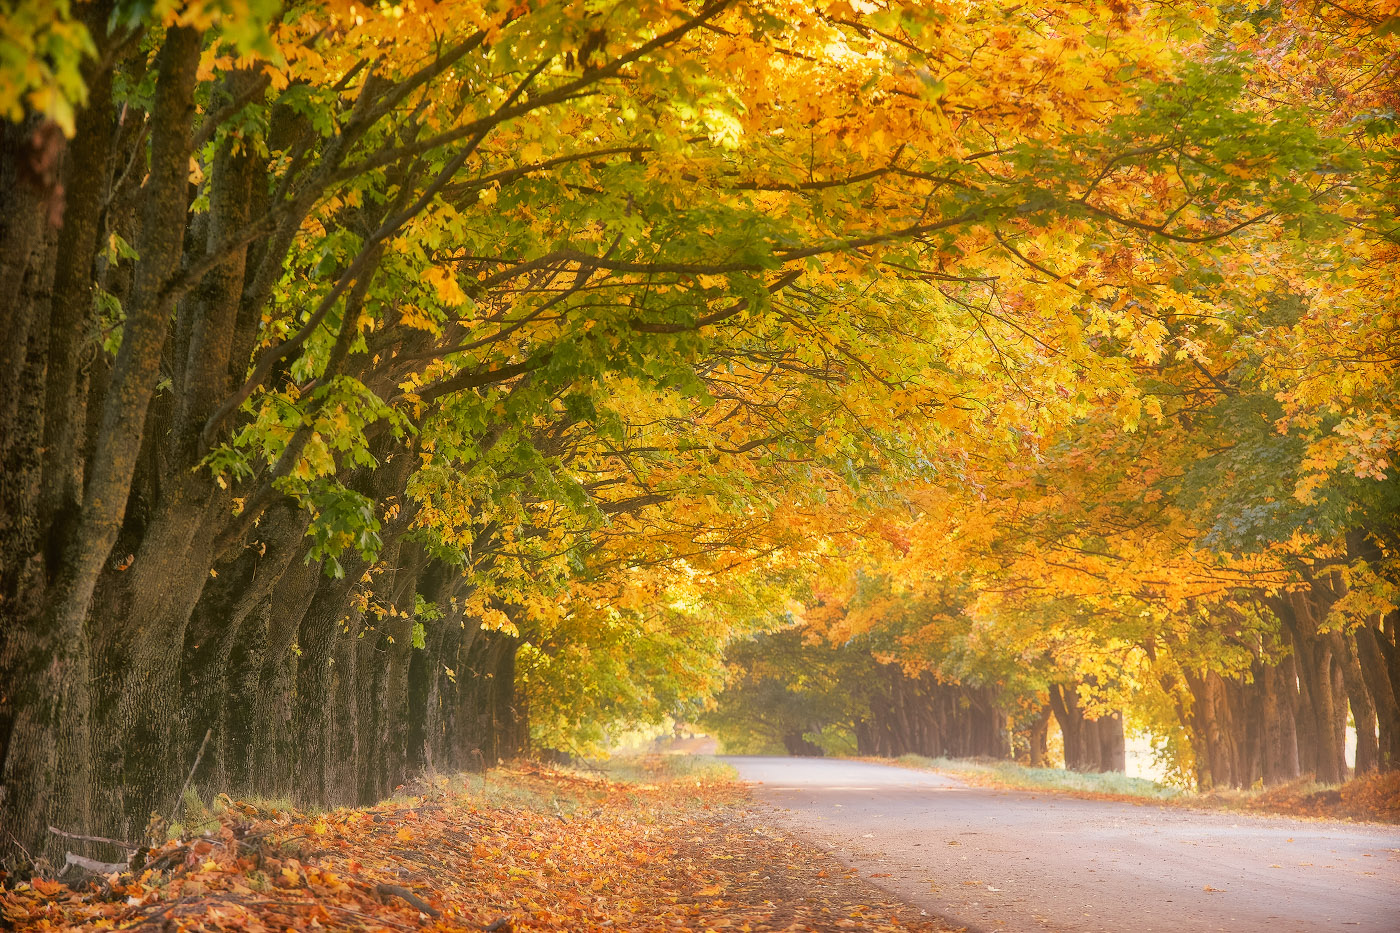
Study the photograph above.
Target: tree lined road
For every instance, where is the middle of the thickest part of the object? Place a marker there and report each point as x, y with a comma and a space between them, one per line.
1002, 860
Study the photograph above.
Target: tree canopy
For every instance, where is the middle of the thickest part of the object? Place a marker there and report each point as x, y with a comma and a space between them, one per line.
386, 385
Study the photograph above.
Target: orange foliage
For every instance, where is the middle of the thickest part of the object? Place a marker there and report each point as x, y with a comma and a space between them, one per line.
623, 857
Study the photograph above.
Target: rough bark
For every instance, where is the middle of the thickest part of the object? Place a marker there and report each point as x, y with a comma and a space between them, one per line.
1371, 663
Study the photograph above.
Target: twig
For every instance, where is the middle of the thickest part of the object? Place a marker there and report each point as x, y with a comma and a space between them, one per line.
81, 838
399, 891
500, 923
175, 807
19, 845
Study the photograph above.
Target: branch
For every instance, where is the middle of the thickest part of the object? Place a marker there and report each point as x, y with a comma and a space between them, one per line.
1160, 229
369, 252
738, 307
399, 891
560, 94
130, 847
477, 379
906, 233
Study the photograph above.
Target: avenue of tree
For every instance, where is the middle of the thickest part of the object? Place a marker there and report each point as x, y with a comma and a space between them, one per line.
398, 387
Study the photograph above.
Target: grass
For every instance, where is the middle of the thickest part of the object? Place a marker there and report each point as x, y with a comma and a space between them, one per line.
535, 789
696, 767
1372, 797
497, 789
1010, 774
649, 769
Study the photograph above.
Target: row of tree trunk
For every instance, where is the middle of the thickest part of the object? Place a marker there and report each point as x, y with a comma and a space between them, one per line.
1287, 716
307, 689
143, 602
343, 708
1094, 741
921, 716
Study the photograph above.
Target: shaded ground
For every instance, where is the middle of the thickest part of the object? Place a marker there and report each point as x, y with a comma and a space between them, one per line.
998, 859
524, 851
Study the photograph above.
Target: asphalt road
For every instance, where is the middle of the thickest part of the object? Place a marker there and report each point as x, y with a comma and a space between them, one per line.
1026, 861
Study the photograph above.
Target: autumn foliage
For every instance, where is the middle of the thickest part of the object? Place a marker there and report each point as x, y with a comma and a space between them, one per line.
390, 389
559, 852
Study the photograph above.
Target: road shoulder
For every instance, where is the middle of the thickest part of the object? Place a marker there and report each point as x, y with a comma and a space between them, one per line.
523, 851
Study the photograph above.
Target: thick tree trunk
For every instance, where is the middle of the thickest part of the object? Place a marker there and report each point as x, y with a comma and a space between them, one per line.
45, 775
427, 670
1321, 721
1113, 754
1358, 699
1279, 759
275, 707
344, 757
1090, 744
312, 723
1065, 705
1371, 663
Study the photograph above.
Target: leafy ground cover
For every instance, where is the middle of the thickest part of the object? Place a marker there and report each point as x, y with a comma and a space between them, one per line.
519, 850
1374, 797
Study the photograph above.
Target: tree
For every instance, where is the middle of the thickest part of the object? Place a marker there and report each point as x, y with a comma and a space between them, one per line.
477, 307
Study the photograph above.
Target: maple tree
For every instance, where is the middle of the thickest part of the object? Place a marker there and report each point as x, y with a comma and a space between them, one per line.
381, 380
1222, 568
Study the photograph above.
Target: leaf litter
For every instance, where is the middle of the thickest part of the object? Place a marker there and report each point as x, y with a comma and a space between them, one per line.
674, 856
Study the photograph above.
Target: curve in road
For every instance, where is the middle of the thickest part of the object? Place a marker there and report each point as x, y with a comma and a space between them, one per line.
1010, 860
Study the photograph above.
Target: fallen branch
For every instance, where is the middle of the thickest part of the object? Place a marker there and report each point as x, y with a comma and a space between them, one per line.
128, 846
399, 891
500, 923
92, 865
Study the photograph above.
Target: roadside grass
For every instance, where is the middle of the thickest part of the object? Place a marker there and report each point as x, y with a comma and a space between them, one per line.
705, 768
1011, 774
1372, 797
531, 787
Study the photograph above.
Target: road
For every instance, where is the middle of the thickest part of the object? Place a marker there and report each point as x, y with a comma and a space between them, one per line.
1003, 860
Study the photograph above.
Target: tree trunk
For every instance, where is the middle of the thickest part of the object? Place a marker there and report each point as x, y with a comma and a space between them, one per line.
1279, 760
1371, 664
1358, 698
1113, 755
1040, 739
312, 724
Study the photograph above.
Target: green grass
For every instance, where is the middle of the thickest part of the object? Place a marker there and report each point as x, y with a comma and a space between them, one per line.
648, 769
503, 789
696, 768
495, 788
1014, 775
